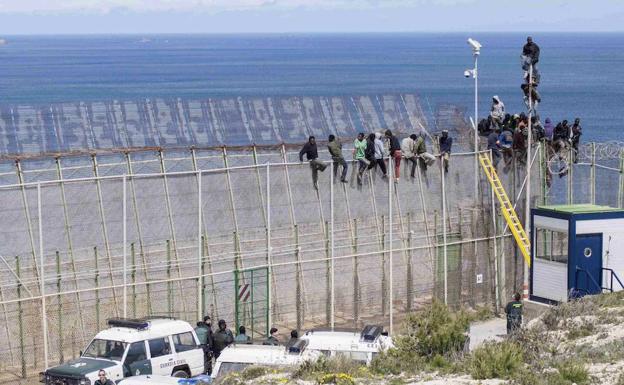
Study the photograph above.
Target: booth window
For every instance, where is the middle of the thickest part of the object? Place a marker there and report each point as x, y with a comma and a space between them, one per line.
551, 245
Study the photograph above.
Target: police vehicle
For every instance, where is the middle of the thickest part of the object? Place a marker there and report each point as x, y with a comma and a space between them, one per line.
166, 380
132, 347
235, 358
361, 346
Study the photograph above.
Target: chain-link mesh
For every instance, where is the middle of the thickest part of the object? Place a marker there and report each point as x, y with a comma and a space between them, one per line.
169, 256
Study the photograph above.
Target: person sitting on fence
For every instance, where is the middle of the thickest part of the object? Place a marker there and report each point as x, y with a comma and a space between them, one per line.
311, 153
242, 337
379, 154
520, 144
408, 151
272, 339
493, 145
548, 130
359, 154
576, 131
497, 111
395, 154
421, 150
445, 142
537, 129
561, 136
535, 98
505, 144
335, 150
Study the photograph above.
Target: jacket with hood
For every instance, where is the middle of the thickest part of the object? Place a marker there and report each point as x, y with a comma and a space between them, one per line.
531, 50
379, 147
498, 109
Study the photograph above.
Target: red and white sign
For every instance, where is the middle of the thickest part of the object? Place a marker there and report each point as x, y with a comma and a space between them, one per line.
244, 292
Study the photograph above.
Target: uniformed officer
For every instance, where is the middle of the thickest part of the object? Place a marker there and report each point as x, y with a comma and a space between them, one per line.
514, 314
204, 334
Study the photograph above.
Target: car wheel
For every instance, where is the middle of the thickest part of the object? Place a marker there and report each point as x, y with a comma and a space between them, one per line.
180, 374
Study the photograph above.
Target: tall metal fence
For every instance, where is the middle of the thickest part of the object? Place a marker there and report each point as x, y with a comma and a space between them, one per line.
164, 233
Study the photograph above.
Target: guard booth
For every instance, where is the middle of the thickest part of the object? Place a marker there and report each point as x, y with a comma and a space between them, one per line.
576, 250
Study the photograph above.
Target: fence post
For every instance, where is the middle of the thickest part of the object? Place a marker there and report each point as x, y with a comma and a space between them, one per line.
570, 178
384, 284
592, 186
409, 278
356, 275
621, 185
97, 289
20, 317
200, 256
44, 318
133, 276
298, 291
329, 289
60, 306
169, 293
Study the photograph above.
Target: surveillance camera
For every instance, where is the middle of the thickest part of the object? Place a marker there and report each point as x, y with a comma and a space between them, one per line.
476, 46
467, 73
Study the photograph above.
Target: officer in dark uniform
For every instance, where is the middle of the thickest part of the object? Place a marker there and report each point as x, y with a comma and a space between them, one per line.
514, 314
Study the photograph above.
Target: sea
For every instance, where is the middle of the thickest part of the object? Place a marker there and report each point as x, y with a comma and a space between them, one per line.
582, 74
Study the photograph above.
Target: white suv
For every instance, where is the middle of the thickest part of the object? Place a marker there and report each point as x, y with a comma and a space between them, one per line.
132, 347
361, 346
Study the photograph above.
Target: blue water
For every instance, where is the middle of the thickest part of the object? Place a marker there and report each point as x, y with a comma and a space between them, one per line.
582, 74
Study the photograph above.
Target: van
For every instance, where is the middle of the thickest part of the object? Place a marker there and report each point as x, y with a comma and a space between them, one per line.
132, 347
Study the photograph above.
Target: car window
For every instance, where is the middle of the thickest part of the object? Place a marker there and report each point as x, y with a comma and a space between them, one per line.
136, 352
112, 350
159, 347
355, 356
184, 341
228, 367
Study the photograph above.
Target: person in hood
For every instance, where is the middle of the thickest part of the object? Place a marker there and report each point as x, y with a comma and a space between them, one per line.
335, 150
379, 154
530, 54
445, 142
497, 112
548, 130
311, 153
493, 145
408, 150
395, 153
561, 136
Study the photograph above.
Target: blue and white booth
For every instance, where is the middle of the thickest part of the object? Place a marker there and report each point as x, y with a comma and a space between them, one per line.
576, 250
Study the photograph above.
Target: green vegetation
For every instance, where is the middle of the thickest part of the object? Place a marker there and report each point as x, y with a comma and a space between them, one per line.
495, 360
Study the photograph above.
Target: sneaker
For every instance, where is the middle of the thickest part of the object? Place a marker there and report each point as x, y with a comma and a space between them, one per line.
396, 180
343, 180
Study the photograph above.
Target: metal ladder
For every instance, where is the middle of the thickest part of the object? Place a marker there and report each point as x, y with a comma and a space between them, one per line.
507, 208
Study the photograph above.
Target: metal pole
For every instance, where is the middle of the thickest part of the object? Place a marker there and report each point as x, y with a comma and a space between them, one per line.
390, 182
125, 253
527, 204
592, 186
44, 320
331, 248
444, 234
269, 256
476, 121
200, 247
496, 285
621, 184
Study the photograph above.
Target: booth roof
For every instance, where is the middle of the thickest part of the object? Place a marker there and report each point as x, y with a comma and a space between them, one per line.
580, 208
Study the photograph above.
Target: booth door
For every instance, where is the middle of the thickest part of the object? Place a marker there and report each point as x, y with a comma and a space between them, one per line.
588, 257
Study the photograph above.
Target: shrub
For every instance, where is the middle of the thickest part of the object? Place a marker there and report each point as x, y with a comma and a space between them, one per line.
620, 380
336, 378
495, 360
574, 372
435, 330
253, 372
324, 365
396, 361
583, 330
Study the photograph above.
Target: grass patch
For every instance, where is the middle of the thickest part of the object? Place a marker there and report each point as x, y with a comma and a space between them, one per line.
316, 370
610, 352
574, 372
495, 360
584, 329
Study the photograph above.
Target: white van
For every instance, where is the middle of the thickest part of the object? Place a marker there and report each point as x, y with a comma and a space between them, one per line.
132, 347
235, 358
361, 346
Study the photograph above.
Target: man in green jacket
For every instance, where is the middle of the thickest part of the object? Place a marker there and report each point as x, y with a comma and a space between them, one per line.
204, 334
335, 150
359, 154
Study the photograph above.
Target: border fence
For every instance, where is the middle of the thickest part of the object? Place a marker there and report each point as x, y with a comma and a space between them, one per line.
169, 232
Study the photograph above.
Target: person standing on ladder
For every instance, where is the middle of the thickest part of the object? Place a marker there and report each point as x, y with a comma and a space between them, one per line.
514, 314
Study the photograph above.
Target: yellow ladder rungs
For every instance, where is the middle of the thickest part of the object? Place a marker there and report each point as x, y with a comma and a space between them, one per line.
522, 240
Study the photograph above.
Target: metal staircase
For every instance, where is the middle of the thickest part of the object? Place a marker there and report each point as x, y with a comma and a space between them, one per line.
507, 208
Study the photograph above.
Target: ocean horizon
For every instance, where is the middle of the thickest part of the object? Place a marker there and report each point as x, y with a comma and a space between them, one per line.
582, 73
